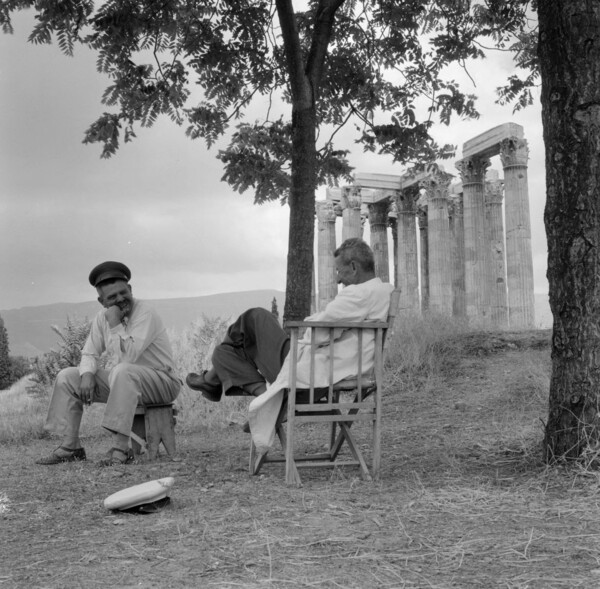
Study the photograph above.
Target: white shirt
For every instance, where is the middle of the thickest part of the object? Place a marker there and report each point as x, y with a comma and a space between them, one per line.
141, 339
368, 301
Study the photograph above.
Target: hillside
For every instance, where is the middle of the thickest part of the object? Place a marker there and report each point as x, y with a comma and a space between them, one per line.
30, 334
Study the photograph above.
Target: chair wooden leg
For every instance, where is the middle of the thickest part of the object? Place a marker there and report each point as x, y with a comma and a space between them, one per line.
345, 432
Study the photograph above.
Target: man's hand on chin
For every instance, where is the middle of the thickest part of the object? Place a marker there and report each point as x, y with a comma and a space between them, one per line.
113, 315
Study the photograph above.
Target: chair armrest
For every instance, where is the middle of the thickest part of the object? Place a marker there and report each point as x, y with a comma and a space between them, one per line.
339, 324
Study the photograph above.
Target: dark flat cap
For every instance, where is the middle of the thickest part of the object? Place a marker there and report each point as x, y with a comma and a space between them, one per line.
109, 271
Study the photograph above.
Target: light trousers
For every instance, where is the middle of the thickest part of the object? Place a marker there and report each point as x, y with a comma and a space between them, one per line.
122, 389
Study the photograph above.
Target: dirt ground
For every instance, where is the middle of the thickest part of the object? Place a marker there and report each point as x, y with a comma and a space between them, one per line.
464, 500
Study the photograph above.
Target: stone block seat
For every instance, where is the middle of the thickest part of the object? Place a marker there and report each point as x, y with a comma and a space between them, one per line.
152, 425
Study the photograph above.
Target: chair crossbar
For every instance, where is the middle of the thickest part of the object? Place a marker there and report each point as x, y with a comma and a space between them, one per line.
333, 418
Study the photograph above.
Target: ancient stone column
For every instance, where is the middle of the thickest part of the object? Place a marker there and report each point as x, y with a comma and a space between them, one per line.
440, 276
519, 260
378, 222
494, 192
351, 212
472, 171
457, 233
408, 265
393, 222
327, 281
424, 245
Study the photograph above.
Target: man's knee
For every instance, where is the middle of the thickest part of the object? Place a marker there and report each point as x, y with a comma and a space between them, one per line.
122, 371
67, 376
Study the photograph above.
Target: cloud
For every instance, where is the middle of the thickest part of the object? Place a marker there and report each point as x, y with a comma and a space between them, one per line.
159, 204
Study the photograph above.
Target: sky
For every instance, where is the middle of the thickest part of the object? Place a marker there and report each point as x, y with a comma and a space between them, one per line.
159, 205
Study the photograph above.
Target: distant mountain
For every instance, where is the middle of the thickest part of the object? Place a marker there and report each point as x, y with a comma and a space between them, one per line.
30, 333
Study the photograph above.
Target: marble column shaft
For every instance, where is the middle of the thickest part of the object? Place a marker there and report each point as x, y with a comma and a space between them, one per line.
472, 172
440, 276
393, 222
378, 223
351, 203
519, 260
457, 235
408, 264
327, 278
424, 244
495, 234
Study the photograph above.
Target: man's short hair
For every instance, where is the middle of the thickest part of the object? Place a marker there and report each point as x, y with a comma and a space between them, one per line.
356, 250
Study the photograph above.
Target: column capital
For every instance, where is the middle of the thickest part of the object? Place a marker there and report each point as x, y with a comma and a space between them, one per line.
472, 169
325, 211
436, 185
514, 152
406, 201
351, 198
378, 212
494, 192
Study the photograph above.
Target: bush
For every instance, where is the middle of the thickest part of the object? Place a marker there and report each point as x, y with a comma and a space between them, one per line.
45, 368
19, 367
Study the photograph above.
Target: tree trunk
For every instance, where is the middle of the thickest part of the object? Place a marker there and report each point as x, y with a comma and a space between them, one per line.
302, 215
569, 51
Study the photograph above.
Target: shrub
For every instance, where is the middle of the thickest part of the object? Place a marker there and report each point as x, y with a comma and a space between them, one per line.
19, 367
4, 358
45, 369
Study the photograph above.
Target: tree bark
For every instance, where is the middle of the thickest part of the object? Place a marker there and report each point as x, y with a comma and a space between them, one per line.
569, 52
302, 213
305, 78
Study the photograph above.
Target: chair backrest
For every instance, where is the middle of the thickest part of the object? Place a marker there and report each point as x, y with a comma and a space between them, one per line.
382, 331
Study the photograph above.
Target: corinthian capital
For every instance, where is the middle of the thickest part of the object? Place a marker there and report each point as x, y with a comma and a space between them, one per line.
436, 185
514, 152
351, 197
378, 212
325, 211
472, 169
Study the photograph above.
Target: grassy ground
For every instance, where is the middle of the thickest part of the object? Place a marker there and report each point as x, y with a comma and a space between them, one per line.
464, 499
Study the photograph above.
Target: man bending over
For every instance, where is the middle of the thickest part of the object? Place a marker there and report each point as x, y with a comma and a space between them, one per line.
255, 349
140, 369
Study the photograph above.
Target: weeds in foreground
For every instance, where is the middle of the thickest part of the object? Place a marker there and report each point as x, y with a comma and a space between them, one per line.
422, 348
422, 353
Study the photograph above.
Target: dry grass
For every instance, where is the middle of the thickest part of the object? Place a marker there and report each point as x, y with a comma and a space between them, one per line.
464, 499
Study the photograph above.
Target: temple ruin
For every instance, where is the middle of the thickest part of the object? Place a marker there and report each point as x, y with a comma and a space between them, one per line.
462, 245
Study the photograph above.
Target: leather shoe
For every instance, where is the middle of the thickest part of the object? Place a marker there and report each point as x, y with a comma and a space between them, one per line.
209, 391
65, 455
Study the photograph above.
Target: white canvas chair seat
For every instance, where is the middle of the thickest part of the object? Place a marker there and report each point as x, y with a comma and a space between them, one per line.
340, 403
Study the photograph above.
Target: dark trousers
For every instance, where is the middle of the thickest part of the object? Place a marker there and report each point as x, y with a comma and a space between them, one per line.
252, 351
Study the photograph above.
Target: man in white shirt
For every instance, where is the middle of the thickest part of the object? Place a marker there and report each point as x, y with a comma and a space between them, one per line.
139, 369
254, 351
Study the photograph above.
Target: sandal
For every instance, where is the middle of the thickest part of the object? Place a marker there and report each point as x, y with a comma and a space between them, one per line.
116, 456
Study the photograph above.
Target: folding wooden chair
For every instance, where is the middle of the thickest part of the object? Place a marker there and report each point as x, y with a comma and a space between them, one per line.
339, 404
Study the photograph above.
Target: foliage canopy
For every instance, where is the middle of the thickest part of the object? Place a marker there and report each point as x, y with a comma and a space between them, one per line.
375, 64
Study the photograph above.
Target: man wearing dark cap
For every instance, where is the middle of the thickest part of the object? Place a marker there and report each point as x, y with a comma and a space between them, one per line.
139, 369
